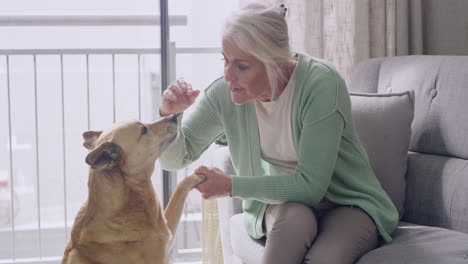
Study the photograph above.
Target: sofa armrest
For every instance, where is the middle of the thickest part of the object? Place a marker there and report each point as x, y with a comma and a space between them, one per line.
227, 207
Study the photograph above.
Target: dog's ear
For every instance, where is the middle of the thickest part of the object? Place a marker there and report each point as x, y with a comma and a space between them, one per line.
90, 138
105, 156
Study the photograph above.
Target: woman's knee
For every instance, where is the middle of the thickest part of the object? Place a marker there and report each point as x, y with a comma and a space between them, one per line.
346, 233
295, 219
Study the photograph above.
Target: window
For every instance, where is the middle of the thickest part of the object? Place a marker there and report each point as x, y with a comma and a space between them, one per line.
65, 72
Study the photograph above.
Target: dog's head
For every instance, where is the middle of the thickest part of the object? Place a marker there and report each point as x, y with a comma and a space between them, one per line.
131, 146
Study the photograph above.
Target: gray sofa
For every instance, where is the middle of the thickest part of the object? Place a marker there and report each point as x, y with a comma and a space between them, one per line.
434, 215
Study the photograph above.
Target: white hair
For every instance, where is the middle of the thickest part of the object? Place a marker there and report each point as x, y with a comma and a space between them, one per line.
261, 31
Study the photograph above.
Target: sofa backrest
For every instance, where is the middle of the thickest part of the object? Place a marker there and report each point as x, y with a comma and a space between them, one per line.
437, 175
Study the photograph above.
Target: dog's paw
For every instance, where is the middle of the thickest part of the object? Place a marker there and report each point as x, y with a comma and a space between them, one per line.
193, 180
199, 178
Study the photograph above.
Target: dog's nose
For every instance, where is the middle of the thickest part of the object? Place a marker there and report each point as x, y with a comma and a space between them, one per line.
173, 118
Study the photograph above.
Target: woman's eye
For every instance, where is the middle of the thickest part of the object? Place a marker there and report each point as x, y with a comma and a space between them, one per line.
242, 67
144, 130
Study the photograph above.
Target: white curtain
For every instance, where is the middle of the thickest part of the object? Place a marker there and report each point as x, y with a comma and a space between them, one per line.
345, 32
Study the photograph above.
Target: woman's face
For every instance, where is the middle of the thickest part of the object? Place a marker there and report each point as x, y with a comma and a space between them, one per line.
245, 75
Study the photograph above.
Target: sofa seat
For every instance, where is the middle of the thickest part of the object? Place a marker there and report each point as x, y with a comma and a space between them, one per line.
417, 244
412, 244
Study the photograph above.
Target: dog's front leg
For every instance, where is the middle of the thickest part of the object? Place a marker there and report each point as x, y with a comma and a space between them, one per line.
174, 208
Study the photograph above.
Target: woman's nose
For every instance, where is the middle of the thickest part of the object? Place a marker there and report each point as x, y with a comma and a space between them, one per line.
229, 75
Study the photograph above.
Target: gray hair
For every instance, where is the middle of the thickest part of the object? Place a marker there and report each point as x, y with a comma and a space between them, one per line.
261, 31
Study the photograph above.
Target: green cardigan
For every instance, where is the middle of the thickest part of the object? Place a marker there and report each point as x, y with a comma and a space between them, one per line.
331, 161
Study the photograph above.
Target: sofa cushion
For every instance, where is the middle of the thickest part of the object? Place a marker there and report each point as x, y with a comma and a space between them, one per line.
440, 124
418, 244
437, 191
383, 124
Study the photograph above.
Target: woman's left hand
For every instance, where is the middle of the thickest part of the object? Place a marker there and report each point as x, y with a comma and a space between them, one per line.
216, 185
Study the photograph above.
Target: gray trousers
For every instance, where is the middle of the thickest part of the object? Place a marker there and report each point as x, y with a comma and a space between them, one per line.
295, 233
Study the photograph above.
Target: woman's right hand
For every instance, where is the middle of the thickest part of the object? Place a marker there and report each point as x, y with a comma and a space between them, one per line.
177, 97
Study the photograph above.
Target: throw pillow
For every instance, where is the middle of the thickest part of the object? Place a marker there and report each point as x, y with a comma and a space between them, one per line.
383, 124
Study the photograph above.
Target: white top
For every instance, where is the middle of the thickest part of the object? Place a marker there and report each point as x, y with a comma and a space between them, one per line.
276, 138
275, 127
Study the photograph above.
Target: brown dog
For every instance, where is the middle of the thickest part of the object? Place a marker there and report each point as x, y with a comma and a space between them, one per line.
122, 221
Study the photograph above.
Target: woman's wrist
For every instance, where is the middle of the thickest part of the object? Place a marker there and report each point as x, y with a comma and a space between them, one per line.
162, 113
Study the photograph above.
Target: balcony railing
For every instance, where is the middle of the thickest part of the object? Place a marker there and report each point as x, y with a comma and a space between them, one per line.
33, 110
67, 20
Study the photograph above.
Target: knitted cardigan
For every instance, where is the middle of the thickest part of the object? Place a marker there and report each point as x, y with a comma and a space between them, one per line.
332, 163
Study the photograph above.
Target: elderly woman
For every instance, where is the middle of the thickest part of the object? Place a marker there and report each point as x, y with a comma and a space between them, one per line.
304, 177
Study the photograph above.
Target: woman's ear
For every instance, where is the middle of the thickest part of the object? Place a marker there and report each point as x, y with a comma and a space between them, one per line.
90, 138
105, 156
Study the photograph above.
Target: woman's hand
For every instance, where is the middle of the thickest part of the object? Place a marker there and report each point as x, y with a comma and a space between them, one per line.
216, 185
177, 97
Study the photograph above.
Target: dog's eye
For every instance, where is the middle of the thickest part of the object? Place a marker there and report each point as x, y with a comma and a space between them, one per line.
143, 130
